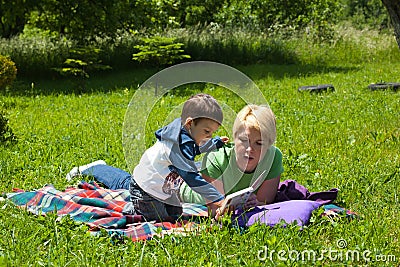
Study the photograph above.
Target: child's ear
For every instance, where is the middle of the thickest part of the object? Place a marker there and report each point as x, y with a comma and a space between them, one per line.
188, 121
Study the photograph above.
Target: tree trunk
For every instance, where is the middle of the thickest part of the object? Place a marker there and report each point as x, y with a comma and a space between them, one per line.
393, 7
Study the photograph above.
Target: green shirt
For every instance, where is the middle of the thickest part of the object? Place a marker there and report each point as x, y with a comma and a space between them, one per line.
221, 164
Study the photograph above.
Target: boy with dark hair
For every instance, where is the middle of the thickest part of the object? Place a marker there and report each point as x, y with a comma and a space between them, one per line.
154, 186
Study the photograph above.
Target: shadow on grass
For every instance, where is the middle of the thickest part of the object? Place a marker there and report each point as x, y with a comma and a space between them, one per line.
133, 78
98, 82
278, 72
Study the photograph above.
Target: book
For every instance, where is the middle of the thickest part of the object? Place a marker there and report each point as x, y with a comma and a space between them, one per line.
240, 197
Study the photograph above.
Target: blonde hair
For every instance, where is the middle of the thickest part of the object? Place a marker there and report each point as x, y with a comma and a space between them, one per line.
202, 106
257, 117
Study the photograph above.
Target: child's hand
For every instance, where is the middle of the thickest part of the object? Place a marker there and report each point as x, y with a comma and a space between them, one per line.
225, 139
215, 209
219, 212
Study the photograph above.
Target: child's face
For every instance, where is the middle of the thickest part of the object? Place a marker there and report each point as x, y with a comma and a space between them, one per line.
202, 130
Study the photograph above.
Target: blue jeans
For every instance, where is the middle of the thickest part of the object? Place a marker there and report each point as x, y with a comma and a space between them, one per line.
111, 177
141, 202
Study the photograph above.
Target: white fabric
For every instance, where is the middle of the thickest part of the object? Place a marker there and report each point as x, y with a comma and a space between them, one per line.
152, 169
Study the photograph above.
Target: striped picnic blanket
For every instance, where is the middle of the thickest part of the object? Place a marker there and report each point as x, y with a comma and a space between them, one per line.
100, 208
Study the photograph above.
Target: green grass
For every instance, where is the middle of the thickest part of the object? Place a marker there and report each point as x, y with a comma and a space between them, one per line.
348, 139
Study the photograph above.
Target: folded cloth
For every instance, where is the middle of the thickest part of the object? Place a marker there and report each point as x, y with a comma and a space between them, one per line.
292, 190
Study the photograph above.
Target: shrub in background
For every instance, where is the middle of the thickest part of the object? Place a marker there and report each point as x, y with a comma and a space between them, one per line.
8, 71
81, 63
6, 134
117, 51
35, 55
160, 50
234, 46
366, 14
271, 16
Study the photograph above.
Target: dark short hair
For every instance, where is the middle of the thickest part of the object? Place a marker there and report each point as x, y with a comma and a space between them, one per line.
202, 106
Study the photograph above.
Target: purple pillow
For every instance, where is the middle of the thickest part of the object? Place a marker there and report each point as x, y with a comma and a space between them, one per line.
290, 211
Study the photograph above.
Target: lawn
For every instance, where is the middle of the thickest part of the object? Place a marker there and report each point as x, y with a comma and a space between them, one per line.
346, 139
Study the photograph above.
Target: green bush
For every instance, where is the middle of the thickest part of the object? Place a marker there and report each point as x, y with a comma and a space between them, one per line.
271, 16
35, 56
367, 13
234, 46
82, 62
6, 134
160, 50
8, 72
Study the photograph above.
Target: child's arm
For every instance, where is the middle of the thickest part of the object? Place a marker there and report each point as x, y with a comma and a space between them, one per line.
213, 144
217, 183
200, 185
214, 208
